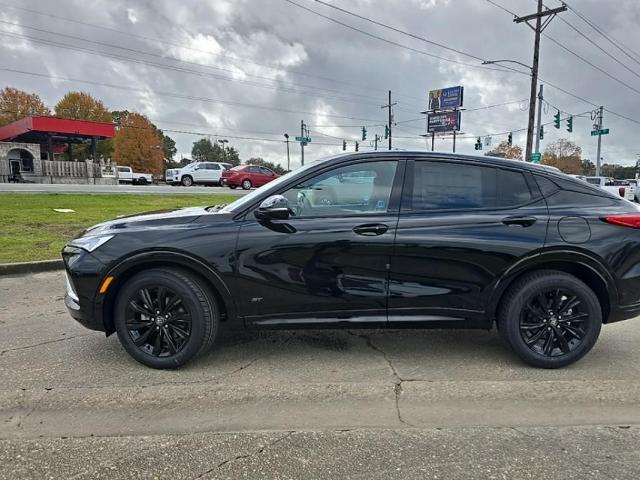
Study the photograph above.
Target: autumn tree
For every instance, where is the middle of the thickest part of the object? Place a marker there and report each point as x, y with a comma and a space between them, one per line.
565, 155
16, 104
270, 165
82, 106
504, 150
138, 145
588, 168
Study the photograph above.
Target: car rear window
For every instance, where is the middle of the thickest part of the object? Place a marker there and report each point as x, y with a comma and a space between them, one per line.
444, 185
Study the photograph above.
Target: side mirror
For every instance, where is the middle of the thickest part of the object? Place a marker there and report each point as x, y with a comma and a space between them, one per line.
276, 207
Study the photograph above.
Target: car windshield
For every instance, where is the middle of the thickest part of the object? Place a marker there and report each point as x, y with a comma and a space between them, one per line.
242, 202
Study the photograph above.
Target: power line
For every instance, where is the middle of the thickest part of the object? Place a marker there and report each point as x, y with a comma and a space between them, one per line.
615, 42
178, 45
177, 95
406, 47
273, 86
397, 30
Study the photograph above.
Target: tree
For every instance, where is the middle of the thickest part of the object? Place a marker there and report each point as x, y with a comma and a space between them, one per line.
620, 172
16, 104
263, 163
138, 145
82, 106
504, 150
565, 155
588, 168
204, 150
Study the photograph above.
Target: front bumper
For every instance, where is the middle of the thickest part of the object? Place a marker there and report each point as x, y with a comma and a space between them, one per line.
84, 274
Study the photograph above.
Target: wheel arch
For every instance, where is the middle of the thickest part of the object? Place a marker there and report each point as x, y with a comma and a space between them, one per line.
582, 266
166, 259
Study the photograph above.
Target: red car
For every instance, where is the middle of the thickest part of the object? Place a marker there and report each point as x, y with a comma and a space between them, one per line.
247, 176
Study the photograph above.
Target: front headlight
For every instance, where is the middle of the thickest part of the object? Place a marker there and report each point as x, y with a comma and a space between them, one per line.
91, 243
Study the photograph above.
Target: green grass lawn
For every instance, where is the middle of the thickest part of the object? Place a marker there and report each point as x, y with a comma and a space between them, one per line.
31, 230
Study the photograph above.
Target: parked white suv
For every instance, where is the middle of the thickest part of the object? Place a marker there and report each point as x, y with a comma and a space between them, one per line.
207, 173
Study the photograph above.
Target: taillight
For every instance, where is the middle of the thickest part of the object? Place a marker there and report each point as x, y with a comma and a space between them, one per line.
632, 221
621, 191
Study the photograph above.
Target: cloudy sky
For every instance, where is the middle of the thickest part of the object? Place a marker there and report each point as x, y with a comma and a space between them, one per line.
251, 70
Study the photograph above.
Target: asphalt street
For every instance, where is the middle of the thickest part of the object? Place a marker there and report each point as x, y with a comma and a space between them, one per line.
307, 404
111, 189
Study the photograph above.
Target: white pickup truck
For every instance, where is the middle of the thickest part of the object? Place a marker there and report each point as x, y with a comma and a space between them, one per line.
127, 175
618, 187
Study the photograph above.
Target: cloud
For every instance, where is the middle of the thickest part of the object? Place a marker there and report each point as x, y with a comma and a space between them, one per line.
270, 53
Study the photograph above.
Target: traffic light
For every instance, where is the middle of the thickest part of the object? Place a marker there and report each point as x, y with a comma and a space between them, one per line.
570, 124
478, 145
556, 120
541, 132
386, 131
357, 146
344, 145
364, 134
510, 139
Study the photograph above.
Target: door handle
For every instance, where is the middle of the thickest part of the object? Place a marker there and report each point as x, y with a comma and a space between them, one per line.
519, 220
370, 229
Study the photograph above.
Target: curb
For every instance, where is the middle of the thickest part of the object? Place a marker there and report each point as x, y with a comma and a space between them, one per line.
30, 267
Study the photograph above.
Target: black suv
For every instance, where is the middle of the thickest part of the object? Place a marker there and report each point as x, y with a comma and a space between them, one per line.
370, 240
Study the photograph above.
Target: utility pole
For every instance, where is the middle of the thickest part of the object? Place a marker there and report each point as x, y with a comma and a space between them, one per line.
302, 143
389, 105
454, 141
538, 29
540, 98
286, 136
599, 120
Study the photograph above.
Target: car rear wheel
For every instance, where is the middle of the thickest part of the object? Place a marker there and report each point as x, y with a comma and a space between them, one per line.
142, 181
550, 319
187, 181
246, 184
165, 317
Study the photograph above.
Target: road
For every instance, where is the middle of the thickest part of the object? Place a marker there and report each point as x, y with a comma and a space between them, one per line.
307, 404
110, 189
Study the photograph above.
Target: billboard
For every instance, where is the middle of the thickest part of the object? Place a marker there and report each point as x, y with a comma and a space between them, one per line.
446, 98
443, 122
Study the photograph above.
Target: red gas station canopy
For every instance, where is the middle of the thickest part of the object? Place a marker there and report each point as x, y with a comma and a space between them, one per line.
37, 129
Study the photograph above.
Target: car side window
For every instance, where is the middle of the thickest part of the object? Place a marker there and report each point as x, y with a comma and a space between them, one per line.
570, 193
254, 169
265, 171
448, 186
349, 190
213, 166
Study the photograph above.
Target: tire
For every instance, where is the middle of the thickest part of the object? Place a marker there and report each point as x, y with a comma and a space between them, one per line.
185, 330
142, 181
246, 184
187, 181
233, 187
525, 323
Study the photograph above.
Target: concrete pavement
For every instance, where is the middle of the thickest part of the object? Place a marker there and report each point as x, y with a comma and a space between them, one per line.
307, 404
161, 189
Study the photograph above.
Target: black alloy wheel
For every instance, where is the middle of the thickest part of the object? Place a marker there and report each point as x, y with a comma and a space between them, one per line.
164, 317
553, 323
550, 319
157, 321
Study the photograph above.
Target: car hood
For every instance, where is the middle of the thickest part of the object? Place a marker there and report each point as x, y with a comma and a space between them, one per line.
154, 219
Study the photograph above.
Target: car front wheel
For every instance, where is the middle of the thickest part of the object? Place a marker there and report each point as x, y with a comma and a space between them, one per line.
165, 317
550, 319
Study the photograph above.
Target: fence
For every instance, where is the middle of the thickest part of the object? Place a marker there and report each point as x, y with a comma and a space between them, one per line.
64, 169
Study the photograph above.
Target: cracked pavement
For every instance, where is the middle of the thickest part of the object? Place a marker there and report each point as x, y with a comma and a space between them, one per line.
306, 404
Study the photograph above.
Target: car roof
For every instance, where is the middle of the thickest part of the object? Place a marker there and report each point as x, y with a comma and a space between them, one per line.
420, 154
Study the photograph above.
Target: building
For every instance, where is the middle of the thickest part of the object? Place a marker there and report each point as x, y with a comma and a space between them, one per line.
33, 149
